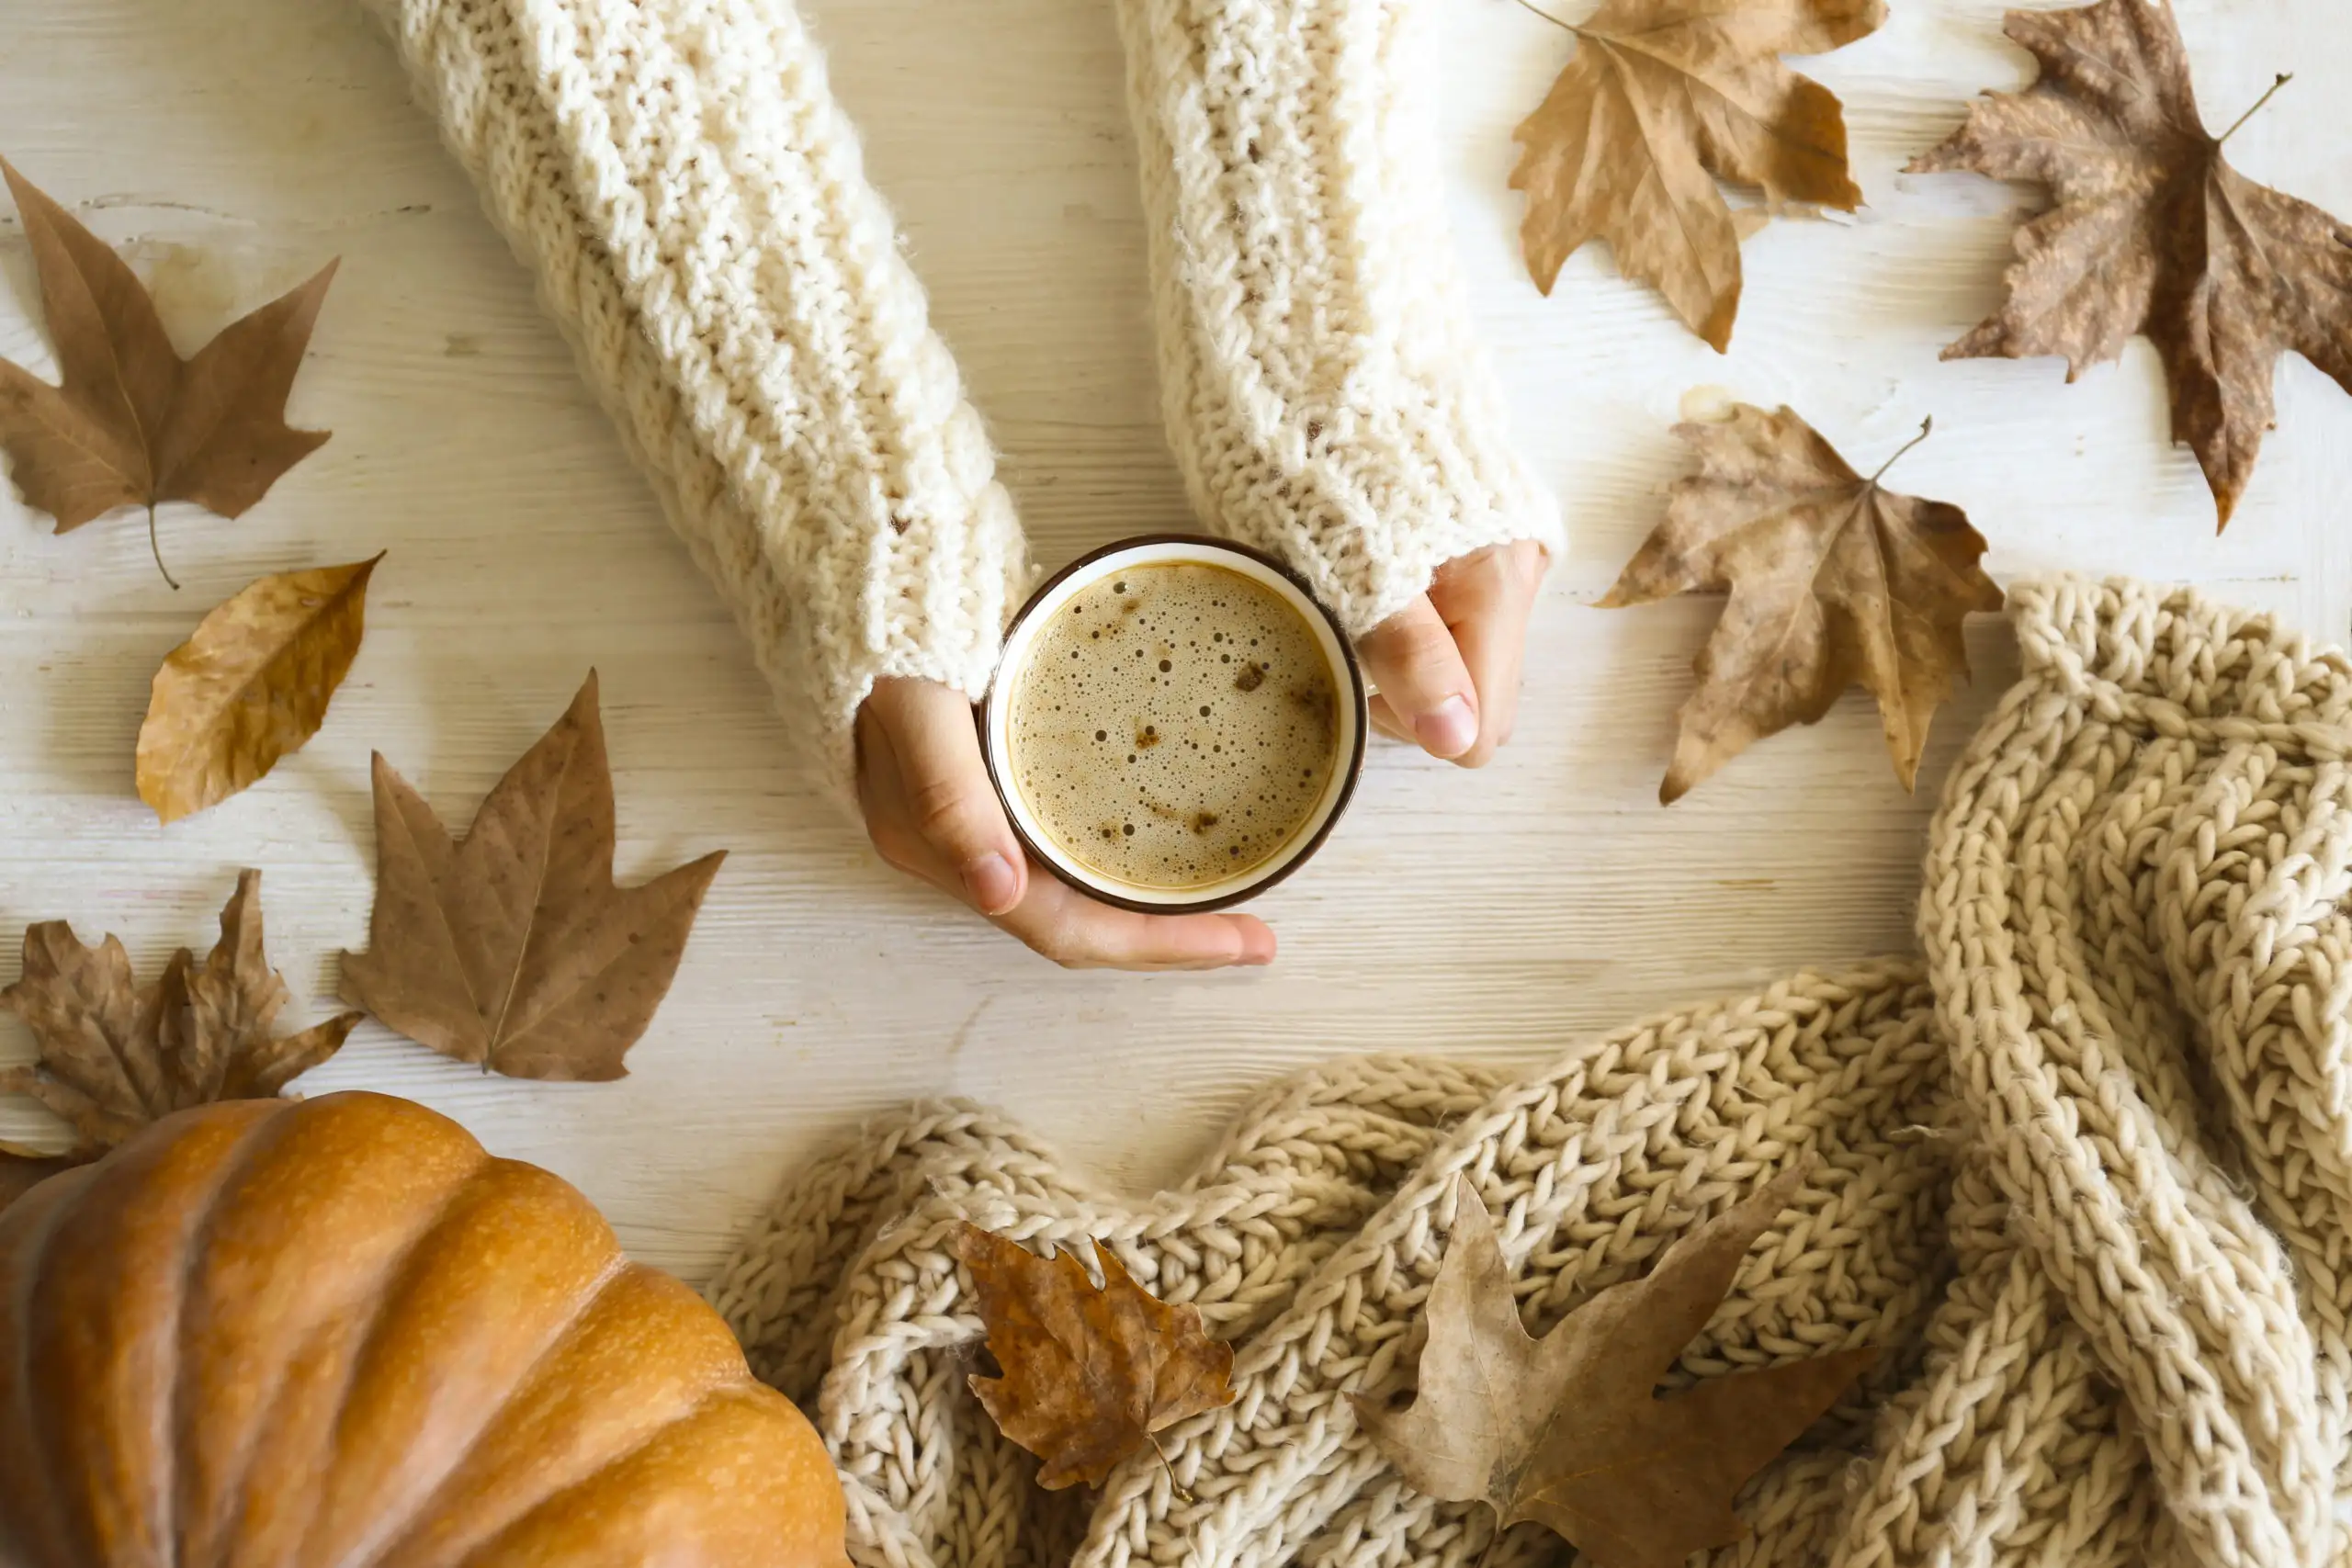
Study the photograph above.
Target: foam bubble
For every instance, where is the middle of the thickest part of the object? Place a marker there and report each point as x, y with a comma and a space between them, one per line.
1147, 658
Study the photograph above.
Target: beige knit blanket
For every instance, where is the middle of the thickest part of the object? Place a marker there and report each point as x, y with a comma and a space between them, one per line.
2083, 1172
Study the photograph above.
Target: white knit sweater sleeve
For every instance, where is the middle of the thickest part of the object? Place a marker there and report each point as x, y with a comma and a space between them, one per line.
1322, 385
691, 200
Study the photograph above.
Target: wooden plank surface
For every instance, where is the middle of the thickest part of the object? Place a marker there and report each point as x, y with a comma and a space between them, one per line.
229, 148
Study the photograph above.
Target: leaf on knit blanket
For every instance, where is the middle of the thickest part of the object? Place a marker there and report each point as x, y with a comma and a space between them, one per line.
1660, 98
130, 423
513, 948
115, 1056
251, 685
1569, 1430
1090, 1371
1833, 581
2153, 232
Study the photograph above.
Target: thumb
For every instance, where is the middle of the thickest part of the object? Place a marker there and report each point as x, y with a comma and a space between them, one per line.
1412, 659
949, 798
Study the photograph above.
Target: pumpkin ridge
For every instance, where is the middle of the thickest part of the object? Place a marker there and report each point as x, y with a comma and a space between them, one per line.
340, 1334
266, 1131
378, 1297
616, 1264
265, 1128
486, 1552
296, 1116
621, 1269
23, 1417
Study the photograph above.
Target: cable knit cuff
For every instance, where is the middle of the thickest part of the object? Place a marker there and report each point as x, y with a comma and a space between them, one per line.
1322, 388
691, 198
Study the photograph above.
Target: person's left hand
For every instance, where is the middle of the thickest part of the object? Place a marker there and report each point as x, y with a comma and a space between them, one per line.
1447, 665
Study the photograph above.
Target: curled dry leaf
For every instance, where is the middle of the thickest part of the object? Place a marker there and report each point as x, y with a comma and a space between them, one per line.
2152, 232
115, 1056
1833, 581
251, 685
1568, 1430
1661, 96
1090, 1371
513, 948
130, 423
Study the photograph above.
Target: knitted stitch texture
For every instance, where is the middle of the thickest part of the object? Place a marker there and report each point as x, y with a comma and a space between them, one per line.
691, 199
2084, 1174
1319, 370
690, 196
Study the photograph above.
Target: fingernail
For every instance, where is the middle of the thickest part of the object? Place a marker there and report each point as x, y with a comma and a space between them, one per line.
1448, 729
1258, 951
993, 884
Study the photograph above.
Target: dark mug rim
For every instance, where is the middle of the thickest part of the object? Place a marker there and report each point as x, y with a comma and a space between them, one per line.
1353, 770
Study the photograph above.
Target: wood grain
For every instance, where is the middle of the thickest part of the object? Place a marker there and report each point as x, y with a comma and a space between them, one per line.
230, 149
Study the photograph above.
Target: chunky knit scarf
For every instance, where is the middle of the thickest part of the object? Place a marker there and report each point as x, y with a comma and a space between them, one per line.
2083, 1172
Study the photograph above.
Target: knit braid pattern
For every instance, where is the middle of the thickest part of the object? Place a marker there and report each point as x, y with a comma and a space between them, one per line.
1318, 366
690, 198
2084, 1174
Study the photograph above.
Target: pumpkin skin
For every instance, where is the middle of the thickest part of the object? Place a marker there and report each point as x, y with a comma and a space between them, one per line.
337, 1334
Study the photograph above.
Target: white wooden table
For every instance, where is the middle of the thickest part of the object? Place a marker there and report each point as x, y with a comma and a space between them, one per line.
231, 146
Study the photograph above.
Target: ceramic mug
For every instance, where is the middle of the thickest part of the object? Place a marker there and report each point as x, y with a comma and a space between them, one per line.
1071, 592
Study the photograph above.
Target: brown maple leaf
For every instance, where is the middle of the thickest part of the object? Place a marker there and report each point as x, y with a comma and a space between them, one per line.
116, 1055
1660, 96
2152, 232
1568, 1430
130, 423
1090, 1371
1833, 581
513, 948
252, 684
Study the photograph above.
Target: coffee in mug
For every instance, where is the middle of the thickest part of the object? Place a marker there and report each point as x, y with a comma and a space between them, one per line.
1176, 723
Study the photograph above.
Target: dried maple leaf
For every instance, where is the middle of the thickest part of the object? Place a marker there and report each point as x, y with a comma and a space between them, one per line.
251, 685
130, 423
2152, 232
513, 948
1090, 1371
116, 1055
1568, 1430
1833, 581
1662, 94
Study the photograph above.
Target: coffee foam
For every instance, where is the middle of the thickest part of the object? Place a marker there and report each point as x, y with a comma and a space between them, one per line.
1174, 725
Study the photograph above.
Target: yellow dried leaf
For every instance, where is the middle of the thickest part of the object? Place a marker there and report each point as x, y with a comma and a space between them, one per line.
251, 685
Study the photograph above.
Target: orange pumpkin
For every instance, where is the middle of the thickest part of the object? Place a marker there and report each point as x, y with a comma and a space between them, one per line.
334, 1333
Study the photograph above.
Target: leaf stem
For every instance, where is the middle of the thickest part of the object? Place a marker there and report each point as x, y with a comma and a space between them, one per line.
1926, 428
156, 550
1182, 1495
1533, 9
2284, 77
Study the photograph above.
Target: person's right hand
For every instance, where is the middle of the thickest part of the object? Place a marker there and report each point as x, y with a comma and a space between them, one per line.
931, 811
